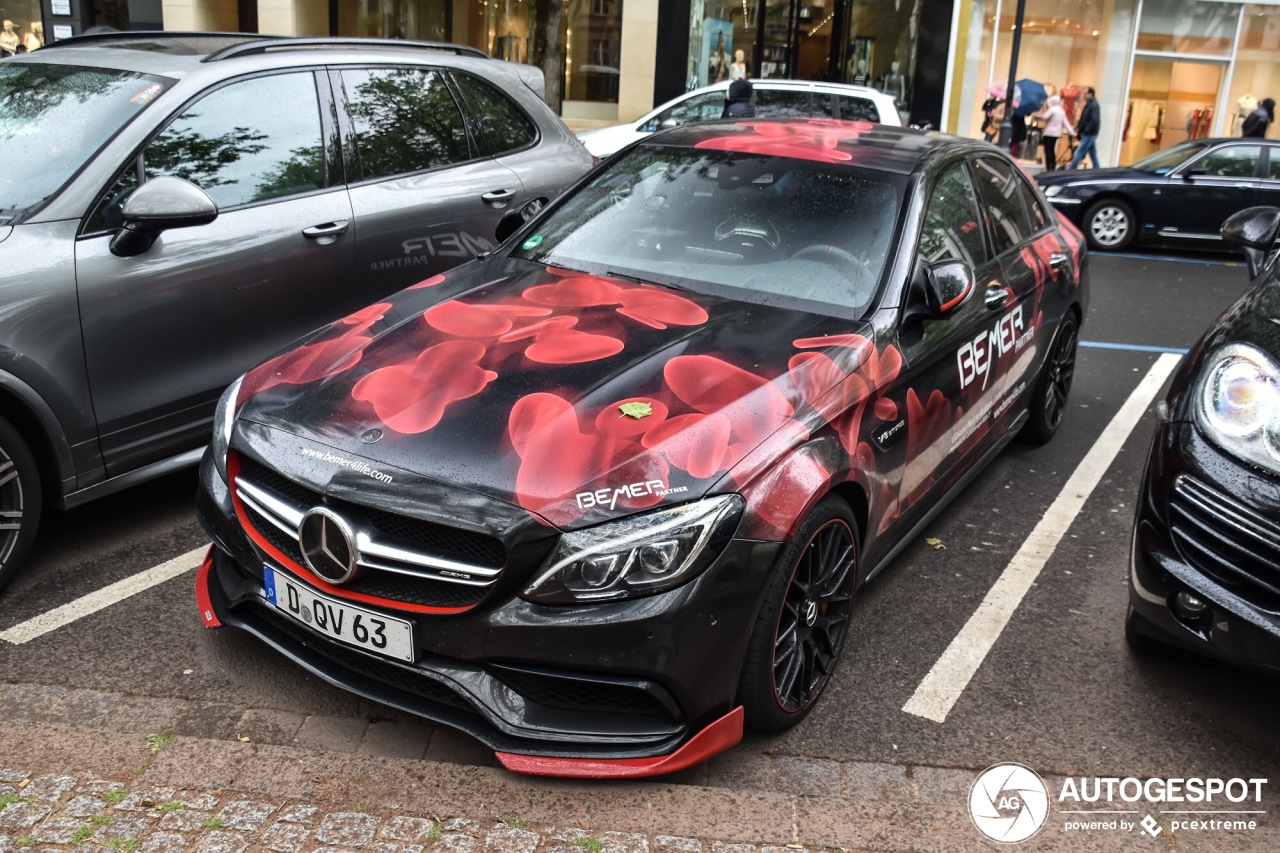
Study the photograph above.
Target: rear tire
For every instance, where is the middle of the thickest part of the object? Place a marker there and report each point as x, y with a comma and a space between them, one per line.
1053, 386
1110, 225
803, 621
19, 501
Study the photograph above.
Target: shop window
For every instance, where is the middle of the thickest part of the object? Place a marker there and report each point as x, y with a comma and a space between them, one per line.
593, 42
22, 29
1188, 26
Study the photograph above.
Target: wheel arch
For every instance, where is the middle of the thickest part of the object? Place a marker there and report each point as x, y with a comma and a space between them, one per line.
34, 419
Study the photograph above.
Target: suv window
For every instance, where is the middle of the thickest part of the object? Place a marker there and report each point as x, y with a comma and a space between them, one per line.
782, 103
405, 121
1233, 161
241, 145
950, 230
503, 127
999, 190
857, 109
705, 107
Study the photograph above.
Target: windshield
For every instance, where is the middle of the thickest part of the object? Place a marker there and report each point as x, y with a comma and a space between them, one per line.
766, 229
54, 117
1163, 161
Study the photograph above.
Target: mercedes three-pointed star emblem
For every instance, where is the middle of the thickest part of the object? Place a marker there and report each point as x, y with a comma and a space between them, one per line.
328, 545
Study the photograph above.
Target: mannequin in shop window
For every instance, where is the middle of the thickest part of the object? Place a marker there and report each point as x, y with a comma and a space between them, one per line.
9, 40
861, 77
895, 84
738, 69
34, 39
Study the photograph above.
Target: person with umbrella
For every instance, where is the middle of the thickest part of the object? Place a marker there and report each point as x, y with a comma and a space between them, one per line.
1028, 96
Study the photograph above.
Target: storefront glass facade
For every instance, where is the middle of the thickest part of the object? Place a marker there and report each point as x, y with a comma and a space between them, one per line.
22, 27
1164, 70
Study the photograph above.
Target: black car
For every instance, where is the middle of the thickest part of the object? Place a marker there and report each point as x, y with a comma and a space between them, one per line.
605, 496
1179, 196
1205, 561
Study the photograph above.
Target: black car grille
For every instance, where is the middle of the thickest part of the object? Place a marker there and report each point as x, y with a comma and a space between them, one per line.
404, 559
1227, 541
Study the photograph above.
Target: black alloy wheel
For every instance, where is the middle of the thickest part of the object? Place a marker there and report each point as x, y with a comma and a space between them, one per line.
803, 623
19, 501
1053, 386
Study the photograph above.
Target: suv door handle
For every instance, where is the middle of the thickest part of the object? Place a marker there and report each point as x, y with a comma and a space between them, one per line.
1057, 259
996, 296
329, 229
498, 198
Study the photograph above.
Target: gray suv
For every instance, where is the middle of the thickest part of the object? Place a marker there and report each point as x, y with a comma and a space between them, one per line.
176, 207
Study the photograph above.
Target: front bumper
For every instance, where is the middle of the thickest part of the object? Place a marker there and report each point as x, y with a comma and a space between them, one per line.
1207, 526
631, 688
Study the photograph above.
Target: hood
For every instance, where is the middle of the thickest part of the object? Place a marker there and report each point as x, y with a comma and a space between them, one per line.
577, 397
605, 140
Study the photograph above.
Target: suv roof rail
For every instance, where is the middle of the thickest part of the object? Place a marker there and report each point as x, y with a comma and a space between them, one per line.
175, 37
268, 43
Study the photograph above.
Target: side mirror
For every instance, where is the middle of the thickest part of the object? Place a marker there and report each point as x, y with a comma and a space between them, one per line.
1195, 171
513, 220
670, 122
158, 205
1254, 231
948, 285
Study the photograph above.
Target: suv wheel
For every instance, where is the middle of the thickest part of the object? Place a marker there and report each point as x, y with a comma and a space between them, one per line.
19, 501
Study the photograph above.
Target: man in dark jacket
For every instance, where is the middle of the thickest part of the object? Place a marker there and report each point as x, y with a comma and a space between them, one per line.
738, 102
1255, 124
1087, 128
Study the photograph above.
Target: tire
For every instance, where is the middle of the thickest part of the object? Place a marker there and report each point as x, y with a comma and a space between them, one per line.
1110, 225
803, 620
1053, 386
1139, 635
19, 501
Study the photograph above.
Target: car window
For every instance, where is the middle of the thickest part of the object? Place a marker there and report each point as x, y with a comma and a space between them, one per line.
1035, 210
1000, 194
950, 230
405, 119
705, 107
1273, 163
783, 103
857, 109
503, 126
249, 141
1231, 161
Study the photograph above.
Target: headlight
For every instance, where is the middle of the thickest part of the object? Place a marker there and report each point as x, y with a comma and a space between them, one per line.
1050, 192
224, 418
1238, 404
637, 556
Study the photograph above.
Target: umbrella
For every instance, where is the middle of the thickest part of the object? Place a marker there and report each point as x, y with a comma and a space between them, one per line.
996, 90
1028, 97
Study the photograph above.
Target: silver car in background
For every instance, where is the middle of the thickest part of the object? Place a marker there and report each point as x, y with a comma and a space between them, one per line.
176, 207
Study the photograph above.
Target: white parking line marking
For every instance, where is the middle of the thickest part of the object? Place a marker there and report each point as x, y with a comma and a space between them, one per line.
951, 673
25, 632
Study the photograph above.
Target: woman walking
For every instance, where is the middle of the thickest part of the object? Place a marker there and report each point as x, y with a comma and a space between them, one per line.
1055, 122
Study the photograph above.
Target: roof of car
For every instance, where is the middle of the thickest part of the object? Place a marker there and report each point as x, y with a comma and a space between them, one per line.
858, 143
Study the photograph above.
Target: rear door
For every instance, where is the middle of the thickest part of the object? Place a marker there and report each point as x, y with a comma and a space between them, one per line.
425, 197
166, 331
1195, 203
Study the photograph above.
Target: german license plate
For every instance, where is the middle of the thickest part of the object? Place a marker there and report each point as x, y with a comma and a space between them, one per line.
354, 626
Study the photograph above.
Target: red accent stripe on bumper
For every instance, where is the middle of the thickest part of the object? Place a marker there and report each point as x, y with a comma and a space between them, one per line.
725, 733
207, 616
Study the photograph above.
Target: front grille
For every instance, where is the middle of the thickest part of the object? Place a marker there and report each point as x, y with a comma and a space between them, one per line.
1227, 541
400, 559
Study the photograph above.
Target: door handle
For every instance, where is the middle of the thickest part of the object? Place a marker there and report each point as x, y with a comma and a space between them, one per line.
996, 297
498, 198
330, 229
1057, 259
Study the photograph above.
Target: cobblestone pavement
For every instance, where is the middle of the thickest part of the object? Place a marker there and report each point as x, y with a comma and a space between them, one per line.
95, 772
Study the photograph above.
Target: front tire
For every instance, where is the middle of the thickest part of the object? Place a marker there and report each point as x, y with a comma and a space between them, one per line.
803, 621
19, 501
1110, 225
1053, 386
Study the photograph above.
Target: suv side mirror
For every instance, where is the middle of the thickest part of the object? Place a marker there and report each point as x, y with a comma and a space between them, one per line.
947, 285
1254, 231
513, 220
159, 204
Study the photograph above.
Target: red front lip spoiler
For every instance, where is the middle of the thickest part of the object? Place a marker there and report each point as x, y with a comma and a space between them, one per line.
203, 601
724, 733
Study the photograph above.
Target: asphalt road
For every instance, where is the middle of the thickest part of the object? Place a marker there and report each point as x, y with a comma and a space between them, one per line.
1059, 689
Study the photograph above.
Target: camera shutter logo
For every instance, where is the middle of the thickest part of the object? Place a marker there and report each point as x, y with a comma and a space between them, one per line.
1008, 803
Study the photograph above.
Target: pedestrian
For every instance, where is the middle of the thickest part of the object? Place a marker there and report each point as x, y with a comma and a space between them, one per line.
1087, 128
1255, 124
1055, 122
1018, 135
738, 103
992, 117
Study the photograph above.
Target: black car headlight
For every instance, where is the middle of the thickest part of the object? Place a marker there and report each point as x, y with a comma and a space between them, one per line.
224, 418
639, 555
1237, 404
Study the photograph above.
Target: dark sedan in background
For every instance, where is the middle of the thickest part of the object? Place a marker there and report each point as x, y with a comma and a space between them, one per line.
1179, 196
1205, 562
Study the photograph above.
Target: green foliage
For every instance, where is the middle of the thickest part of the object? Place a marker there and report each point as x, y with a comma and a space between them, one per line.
590, 843
171, 806
159, 741
115, 797
212, 823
